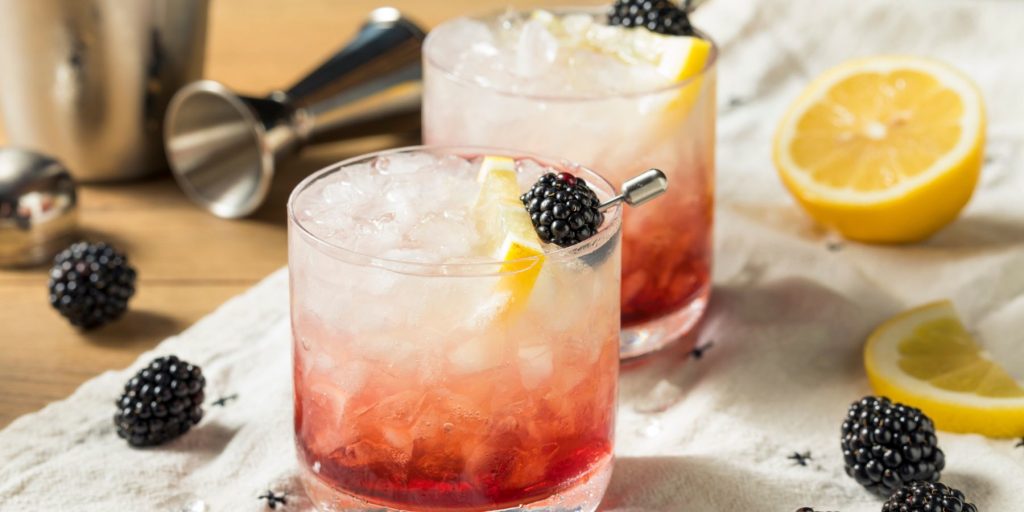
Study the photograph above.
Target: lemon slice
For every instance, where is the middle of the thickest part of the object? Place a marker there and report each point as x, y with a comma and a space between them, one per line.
926, 358
508, 231
883, 149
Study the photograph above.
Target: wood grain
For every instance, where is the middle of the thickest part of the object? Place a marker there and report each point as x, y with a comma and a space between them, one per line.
189, 262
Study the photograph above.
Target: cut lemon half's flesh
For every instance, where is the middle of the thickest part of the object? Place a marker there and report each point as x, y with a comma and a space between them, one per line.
883, 149
508, 231
925, 357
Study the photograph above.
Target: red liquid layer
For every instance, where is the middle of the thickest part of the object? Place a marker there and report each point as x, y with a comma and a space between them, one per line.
666, 255
479, 442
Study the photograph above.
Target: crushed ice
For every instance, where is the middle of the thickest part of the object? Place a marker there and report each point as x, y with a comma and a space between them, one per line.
409, 207
521, 53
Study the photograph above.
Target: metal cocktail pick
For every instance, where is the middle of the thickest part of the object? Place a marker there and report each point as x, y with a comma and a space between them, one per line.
640, 189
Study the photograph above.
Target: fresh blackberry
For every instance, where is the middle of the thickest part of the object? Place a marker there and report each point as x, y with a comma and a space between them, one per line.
887, 445
161, 402
563, 209
661, 16
928, 497
90, 284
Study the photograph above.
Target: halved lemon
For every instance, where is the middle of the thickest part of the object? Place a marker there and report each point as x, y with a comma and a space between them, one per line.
508, 230
883, 149
925, 357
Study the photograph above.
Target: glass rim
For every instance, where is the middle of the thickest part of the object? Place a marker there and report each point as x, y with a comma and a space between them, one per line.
606, 233
431, 62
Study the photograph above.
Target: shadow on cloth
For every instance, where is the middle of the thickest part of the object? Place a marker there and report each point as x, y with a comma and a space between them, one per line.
978, 233
779, 346
208, 438
682, 484
136, 329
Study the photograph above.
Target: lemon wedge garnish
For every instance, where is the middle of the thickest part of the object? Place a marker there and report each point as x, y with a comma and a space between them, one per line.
883, 149
507, 230
926, 358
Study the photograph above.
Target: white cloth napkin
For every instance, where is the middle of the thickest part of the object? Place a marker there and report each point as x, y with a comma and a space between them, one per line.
790, 311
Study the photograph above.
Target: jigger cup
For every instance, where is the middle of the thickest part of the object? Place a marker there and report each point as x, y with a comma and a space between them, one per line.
223, 147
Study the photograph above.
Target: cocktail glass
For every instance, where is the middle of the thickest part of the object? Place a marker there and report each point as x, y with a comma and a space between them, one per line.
417, 386
667, 254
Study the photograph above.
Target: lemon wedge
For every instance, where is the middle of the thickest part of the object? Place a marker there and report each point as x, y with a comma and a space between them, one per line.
883, 149
508, 231
925, 357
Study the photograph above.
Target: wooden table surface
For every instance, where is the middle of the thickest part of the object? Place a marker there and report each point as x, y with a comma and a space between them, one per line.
188, 261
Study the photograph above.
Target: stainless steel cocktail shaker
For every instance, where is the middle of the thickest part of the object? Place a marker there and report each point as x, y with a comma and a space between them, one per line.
87, 81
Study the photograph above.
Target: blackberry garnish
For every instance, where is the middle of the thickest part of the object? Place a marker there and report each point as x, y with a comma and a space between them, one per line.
661, 16
161, 402
90, 284
563, 209
887, 445
928, 497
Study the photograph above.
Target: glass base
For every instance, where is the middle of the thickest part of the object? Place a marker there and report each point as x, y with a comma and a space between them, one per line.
647, 337
584, 496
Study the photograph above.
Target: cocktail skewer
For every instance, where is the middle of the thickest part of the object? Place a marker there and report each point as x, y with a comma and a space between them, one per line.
640, 189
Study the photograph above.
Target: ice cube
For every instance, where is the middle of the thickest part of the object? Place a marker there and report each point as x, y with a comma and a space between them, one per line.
577, 26
537, 50
401, 441
343, 193
529, 171
477, 354
399, 410
568, 378
322, 362
323, 407
410, 163
384, 460
350, 185
409, 208
448, 235
453, 165
536, 364
452, 39
505, 461
488, 309
349, 377
411, 255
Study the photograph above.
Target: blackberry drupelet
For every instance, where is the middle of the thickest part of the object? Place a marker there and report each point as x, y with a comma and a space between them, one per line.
90, 284
563, 209
661, 16
886, 445
928, 497
161, 402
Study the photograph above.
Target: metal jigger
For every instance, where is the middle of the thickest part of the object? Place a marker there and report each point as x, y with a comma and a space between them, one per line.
223, 147
37, 207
